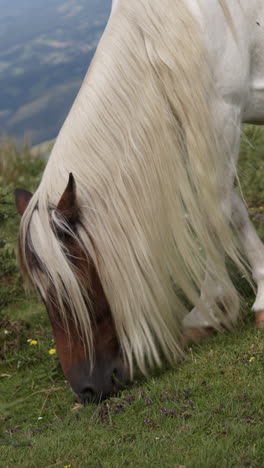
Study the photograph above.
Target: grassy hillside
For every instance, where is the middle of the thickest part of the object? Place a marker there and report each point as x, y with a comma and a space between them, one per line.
206, 413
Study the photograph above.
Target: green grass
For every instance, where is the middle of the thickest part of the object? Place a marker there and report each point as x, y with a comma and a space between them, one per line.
216, 417
207, 412
17, 169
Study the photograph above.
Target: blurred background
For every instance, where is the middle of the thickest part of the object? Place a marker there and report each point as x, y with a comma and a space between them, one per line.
45, 50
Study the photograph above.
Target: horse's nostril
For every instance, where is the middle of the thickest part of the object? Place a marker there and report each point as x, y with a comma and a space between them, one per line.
87, 395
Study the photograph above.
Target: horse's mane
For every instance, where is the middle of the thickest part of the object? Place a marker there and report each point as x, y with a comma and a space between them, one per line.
141, 143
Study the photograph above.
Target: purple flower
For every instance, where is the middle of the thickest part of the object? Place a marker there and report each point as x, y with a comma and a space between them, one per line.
168, 412
149, 401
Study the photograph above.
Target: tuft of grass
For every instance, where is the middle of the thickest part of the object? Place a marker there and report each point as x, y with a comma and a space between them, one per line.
251, 165
251, 173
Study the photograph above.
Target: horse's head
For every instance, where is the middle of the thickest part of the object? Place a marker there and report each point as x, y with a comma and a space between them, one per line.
98, 374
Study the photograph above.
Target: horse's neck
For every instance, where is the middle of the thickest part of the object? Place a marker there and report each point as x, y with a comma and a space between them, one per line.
231, 60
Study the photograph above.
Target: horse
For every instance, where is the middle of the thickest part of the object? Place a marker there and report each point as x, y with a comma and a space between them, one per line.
136, 213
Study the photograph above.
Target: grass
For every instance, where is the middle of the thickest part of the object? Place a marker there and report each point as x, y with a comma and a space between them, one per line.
17, 169
207, 412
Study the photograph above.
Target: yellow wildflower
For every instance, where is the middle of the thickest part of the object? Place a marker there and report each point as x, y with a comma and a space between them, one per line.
53, 351
251, 359
33, 342
67, 466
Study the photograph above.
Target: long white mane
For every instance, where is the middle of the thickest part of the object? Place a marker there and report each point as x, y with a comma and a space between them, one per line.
141, 143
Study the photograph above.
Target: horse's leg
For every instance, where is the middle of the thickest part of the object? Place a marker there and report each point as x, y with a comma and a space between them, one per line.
254, 250
196, 325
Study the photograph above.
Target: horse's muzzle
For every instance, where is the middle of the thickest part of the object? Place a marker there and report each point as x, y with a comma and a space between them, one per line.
107, 377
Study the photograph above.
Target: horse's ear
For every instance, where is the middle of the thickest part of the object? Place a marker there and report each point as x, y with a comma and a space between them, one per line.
67, 205
22, 198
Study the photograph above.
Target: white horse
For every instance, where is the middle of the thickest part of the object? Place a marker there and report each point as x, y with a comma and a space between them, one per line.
136, 206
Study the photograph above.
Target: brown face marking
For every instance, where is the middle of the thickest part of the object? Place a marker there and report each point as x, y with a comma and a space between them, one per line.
69, 343
69, 346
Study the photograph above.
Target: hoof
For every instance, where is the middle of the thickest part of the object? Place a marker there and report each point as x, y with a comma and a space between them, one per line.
193, 335
260, 319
